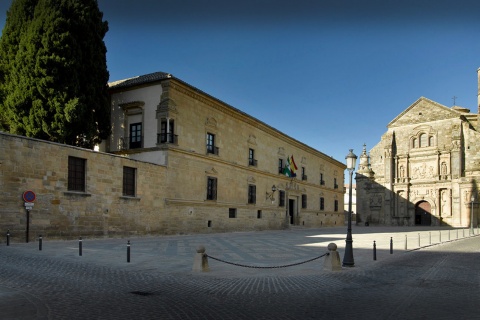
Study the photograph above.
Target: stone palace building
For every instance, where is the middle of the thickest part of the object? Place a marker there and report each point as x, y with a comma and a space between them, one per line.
424, 171
178, 161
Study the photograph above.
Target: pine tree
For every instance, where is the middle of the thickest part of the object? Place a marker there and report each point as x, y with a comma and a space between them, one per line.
53, 71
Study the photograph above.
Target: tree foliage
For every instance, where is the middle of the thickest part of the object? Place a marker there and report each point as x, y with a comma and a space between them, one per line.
53, 72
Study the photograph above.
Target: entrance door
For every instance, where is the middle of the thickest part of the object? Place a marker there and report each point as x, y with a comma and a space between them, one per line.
423, 216
291, 210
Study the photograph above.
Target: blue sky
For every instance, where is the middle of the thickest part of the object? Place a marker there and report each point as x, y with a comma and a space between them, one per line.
329, 73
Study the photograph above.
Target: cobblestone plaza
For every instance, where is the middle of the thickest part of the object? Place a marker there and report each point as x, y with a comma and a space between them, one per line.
432, 273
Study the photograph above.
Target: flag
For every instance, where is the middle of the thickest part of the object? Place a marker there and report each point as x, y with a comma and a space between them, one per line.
290, 168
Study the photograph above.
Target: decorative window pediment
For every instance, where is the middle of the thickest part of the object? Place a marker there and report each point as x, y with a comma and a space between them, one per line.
211, 122
211, 171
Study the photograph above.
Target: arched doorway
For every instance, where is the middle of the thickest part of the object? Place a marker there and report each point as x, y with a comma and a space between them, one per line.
423, 216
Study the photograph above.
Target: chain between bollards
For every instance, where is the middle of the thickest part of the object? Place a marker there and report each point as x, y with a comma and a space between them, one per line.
128, 251
374, 250
8, 237
80, 246
40, 243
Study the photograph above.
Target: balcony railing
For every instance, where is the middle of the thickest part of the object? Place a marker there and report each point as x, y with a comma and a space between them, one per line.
167, 138
212, 150
127, 143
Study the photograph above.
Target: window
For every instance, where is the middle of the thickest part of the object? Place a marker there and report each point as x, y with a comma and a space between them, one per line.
129, 181
335, 185
322, 203
322, 182
414, 142
167, 130
281, 201
259, 214
76, 174
304, 176
280, 165
135, 135
252, 193
423, 140
211, 144
211, 188
430, 142
304, 201
232, 213
251, 158
336, 205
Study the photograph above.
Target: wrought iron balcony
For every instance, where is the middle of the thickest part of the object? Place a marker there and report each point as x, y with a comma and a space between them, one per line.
212, 150
167, 138
127, 143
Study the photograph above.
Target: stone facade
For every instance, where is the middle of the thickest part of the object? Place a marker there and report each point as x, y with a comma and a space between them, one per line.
198, 166
424, 171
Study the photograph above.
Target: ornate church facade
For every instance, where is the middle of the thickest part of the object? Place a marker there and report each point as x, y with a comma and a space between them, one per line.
424, 171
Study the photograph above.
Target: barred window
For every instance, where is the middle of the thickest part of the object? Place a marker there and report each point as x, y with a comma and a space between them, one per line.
281, 202
76, 174
304, 201
129, 181
212, 188
252, 193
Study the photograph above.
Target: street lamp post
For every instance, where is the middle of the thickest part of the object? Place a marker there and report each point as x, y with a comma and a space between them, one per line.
348, 257
471, 216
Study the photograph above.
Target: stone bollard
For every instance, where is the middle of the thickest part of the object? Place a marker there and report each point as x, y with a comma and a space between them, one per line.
200, 262
332, 260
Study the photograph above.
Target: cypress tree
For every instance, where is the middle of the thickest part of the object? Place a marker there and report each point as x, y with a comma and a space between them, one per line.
54, 73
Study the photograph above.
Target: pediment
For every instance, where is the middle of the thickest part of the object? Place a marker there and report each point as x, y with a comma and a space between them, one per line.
423, 110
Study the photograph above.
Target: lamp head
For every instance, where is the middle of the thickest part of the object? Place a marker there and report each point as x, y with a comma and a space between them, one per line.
351, 160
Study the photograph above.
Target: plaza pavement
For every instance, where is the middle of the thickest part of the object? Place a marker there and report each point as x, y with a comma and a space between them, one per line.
432, 272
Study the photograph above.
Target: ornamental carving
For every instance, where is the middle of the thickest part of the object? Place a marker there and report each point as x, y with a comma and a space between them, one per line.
422, 171
376, 200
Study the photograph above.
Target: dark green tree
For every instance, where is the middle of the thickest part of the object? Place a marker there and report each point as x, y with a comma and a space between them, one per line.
53, 71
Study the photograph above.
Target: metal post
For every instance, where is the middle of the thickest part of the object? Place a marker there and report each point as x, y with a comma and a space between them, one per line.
80, 246
391, 245
8, 237
128, 251
405, 242
348, 257
374, 250
471, 218
40, 243
28, 225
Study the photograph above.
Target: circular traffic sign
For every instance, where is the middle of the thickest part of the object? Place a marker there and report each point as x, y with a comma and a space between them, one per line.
29, 196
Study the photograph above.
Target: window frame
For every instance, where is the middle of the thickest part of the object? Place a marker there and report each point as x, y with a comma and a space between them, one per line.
252, 194
135, 140
212, 187
281, 198
322, 203
129, 186
304, 201
77, 172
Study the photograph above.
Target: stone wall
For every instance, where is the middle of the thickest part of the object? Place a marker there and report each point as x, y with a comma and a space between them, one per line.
30, 164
